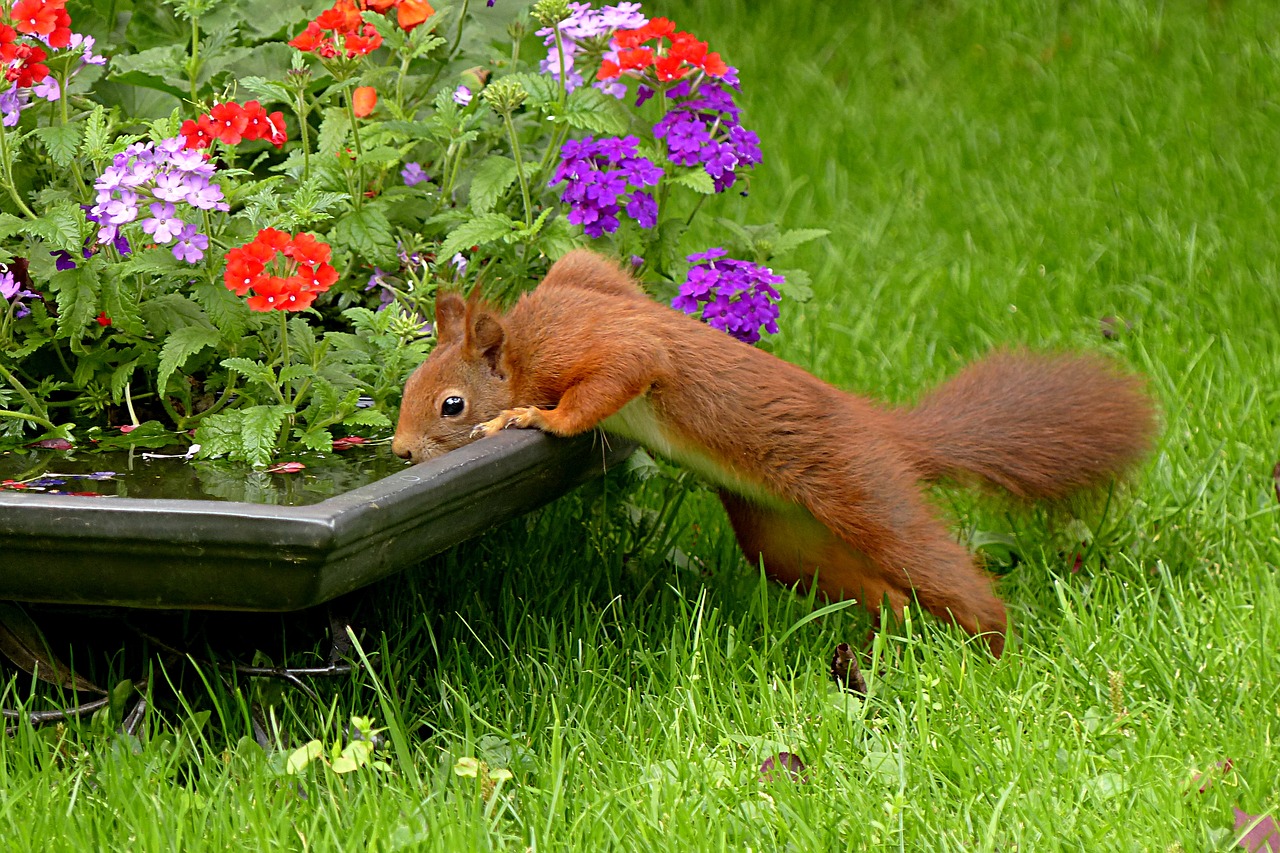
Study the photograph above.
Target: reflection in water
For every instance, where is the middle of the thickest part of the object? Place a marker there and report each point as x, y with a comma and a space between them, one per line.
127, 474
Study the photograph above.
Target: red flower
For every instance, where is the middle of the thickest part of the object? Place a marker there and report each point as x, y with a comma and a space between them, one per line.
232, 123
103, 319
242, 270
410, 13
25, 64
343, 17
229, 122
309, 39
48, 18
285, 273
363, 100
306, 249
198, 132
684, 54
277, 135
360, 43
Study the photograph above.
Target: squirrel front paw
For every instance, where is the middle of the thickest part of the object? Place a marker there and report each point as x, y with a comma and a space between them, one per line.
525, 417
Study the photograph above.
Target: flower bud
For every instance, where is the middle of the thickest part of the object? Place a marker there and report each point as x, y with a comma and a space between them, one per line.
505, 96
550, 12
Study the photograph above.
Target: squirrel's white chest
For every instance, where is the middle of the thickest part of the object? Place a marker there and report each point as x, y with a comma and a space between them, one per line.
638, 421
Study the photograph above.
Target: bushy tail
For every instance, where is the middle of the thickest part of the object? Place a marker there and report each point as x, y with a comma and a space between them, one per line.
1038, 426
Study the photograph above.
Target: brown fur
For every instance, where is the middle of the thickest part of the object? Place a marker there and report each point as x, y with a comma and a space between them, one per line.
814, 479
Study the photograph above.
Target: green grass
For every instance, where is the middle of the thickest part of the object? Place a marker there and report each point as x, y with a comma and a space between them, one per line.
993, 174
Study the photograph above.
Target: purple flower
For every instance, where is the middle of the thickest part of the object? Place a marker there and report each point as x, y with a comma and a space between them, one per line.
48, 89
702, 129
462, 96
12, 103
413, 174
85, 44
586, 24
597, 176
191, 244
163, 225
162, 175
11, 291
735, 296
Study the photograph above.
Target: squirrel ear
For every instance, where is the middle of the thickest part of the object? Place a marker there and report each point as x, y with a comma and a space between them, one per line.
486, 339
451, 313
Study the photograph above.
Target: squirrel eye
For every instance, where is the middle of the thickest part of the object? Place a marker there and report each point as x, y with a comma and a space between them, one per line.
452, 407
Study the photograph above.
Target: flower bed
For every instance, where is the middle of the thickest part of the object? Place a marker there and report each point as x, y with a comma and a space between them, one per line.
229, 222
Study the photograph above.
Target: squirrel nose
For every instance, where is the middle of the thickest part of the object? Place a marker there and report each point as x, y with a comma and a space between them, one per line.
401, 448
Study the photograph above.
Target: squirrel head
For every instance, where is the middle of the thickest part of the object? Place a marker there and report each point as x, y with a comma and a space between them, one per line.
464, 382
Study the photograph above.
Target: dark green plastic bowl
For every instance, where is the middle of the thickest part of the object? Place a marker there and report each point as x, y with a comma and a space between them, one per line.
225, 555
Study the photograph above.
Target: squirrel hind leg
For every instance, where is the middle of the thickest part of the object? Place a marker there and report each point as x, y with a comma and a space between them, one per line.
794, 547
908, 553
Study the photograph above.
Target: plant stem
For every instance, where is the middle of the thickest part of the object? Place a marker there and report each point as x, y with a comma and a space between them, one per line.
5, 413
6, 164
193, 64
128, 401
305, 131
27, 397
524, 180
285, 394
357, 196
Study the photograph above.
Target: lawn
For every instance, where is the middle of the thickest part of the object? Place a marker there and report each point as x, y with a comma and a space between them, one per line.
1020, 172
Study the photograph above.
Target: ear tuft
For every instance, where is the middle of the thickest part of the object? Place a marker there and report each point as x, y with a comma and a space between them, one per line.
485, 337
451, 317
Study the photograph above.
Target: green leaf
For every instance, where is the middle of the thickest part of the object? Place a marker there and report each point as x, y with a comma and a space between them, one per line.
790, 240
62, 227
267, 91
795, 285
96, 135
367, 417
254, 371
334, 127
695, 179
368, 233
318, 439
244, 435
593, 111
491, 179
77, 295
159, 68
180, 346
261, 431
171, 311
62, 141
122, 308
223, 308
481, 231
303, 756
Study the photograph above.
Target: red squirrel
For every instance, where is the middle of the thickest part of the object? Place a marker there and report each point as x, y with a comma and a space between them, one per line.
822, 485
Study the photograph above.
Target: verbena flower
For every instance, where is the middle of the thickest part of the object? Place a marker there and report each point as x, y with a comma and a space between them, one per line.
11, 291
231, 123
409, 13
339, 31
583, 25
737, 297
462, 96
48, 19
413, 174
38, 26
601, 177
284, 272
160, 175
701, 128
656, 51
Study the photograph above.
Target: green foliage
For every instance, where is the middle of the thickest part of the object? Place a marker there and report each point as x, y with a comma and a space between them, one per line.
131, 330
